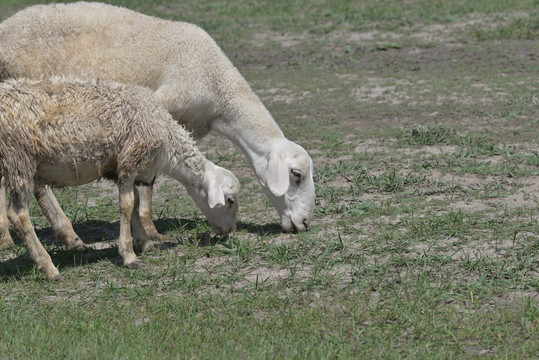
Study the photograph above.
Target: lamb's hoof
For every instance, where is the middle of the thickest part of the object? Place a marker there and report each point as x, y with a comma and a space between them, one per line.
77, 246
51, 274
143, 246
132, 266
156, 236
6, 242
81, 248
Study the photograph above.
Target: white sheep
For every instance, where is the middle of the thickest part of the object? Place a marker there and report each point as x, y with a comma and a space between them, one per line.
189, 74
63, 132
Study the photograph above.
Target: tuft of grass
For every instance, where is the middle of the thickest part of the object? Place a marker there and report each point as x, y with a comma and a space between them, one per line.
521, 28
430, 135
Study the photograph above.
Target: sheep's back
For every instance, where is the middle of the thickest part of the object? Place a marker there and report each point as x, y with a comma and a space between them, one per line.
92, 40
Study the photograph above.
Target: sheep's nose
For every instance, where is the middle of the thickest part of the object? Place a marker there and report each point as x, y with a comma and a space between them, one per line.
225, 232
219, 230
306, 224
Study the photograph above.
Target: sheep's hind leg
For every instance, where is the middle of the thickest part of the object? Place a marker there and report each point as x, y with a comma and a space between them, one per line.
63, 229
145, 210
127, 204
5, 236
141, 242
20, 219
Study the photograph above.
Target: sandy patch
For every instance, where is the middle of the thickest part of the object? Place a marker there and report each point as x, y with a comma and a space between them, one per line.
285, 40
448, 32
469, 206
527, 196
454, 248
281, 95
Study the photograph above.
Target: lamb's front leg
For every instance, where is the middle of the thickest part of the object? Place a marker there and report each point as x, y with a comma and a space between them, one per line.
63, 229
127, 204
20, 219
145, 210
5, 236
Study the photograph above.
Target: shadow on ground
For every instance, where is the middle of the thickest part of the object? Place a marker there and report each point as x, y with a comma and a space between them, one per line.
100, 236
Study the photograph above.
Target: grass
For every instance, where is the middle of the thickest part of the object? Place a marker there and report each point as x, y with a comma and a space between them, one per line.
422, 124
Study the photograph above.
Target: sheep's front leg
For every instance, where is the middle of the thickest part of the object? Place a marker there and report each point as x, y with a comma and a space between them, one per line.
145, 211
127, 204
63, 229
141, 242
5, 236
20, 219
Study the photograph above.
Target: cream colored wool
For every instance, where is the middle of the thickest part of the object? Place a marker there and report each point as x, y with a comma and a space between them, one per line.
188, 72
43, 121
63, 132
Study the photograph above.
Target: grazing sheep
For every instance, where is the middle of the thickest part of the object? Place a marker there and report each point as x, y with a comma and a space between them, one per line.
64, 132
189, 74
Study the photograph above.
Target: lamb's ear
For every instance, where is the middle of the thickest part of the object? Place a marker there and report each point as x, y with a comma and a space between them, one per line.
215, 194
277, 178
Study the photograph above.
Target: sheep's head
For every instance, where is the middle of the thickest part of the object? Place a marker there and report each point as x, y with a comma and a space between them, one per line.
289, 185
217, 198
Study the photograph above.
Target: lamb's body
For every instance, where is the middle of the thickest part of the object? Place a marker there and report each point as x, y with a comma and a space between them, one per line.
71, 133
188, 72
65, 133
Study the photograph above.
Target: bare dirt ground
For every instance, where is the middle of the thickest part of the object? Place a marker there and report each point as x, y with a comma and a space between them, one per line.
371, 81
452, 83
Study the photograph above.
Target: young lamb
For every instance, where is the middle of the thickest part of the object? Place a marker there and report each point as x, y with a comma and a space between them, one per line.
64, 132
189, 74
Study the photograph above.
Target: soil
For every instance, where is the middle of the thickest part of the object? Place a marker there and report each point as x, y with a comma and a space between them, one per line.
359, 62
365, 69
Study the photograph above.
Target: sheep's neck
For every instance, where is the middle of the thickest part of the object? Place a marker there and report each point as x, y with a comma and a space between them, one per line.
180, 169
251, 127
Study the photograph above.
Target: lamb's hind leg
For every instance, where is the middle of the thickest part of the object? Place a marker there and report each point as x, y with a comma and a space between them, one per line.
20, 219
145, 210
141, 241
127, 204
63, 229
5, 236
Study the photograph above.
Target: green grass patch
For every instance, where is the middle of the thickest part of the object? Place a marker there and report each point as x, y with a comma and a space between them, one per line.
521, 28
422, 124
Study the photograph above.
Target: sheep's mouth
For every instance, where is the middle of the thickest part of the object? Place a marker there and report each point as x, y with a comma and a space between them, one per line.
289, 225
301, 228
223, 232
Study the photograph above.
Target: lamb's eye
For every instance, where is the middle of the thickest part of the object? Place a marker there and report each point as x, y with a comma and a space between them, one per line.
297, 174
231, 200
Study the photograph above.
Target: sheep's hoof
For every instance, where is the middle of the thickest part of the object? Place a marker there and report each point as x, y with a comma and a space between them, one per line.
6, 242
80, 248
156, 236
51, 274
143, 245
76, 245
133, 265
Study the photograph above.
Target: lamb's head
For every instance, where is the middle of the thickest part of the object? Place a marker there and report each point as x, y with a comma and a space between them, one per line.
288, 182
217, 197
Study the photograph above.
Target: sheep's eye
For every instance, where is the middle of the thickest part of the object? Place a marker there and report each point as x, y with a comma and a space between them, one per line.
297, 174
231, 200
197, 187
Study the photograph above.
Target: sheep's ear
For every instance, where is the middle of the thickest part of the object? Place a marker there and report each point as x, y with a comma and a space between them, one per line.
277, 178
215, 194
